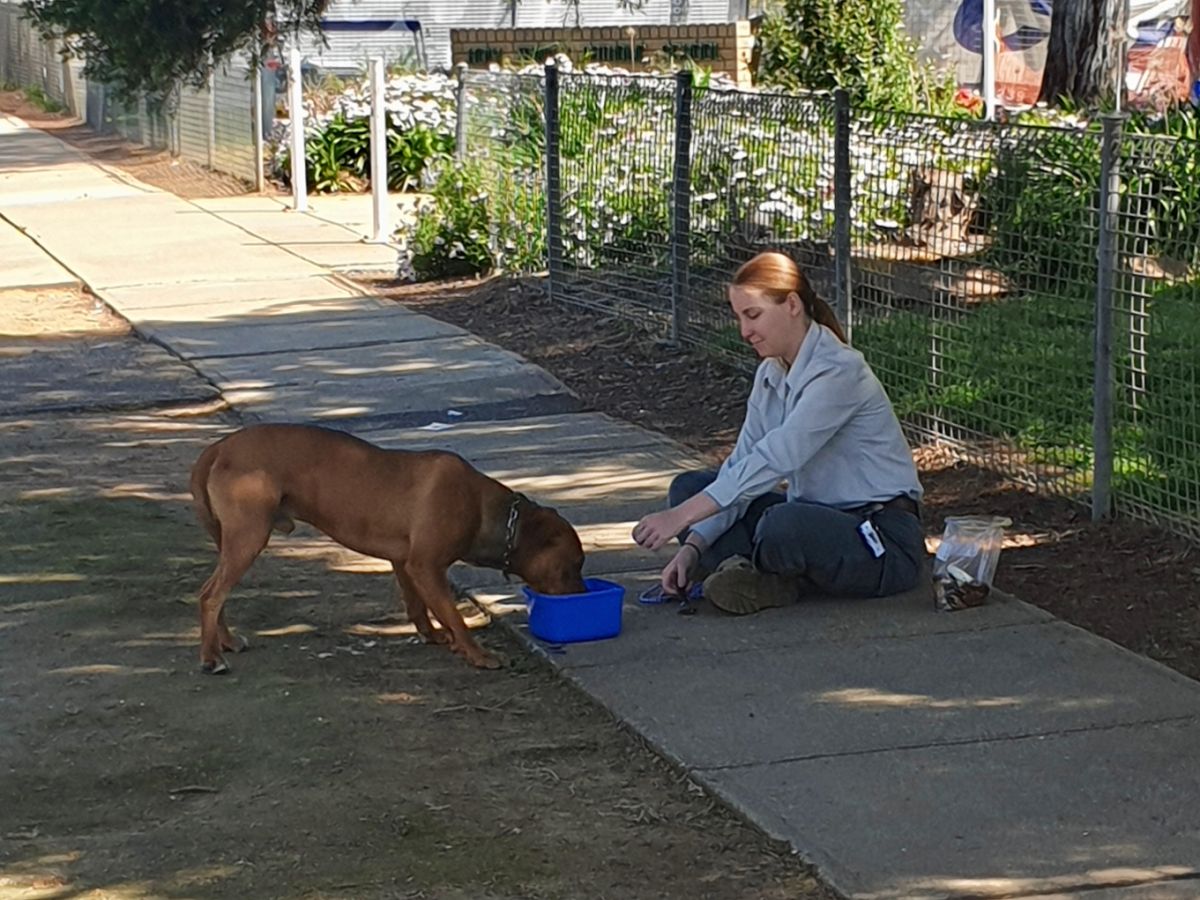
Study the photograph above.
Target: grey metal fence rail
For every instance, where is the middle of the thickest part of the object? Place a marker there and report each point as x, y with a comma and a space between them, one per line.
1026, 294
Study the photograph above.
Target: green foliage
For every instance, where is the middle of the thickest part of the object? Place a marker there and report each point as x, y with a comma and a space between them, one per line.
1041, 193
1040, 201
450, 238
150, 46
478, 220
858, 46
338, 157
42, 100
1021, 370
1160, 163
616, 158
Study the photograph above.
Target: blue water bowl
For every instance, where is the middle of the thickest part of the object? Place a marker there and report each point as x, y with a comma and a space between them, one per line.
569, 618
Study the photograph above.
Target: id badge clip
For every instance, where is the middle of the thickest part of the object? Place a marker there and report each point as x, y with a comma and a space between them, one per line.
871, 538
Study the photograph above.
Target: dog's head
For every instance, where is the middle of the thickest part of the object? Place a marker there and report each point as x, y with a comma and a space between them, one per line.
548, 556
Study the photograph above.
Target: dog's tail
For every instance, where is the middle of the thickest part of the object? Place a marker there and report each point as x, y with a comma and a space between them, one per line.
199, 486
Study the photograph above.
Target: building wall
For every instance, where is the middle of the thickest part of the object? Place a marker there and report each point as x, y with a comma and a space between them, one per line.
357, 32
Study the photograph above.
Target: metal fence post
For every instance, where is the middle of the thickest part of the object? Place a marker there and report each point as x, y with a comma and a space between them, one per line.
988, 70
681, 204
381, 220
211, 87
296, 123
1106, 261
460, 112
841, 208
554, 252
257, 114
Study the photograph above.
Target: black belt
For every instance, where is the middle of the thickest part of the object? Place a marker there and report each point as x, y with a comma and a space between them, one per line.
902, 503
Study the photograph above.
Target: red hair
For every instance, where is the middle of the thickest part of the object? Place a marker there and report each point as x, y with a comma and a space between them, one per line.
774, 275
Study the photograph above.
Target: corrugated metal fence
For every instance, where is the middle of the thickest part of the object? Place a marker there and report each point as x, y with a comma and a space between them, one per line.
28, 61
213, 126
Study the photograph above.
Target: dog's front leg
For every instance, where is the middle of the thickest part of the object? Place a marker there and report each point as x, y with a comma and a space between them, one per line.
414, 605
434, 588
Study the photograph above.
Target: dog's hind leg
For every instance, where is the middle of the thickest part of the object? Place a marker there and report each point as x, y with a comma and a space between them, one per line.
240, 546
414, 605
230, 642
434, 589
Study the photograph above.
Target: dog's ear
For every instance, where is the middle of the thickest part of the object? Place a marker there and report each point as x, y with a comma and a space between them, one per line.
543, 524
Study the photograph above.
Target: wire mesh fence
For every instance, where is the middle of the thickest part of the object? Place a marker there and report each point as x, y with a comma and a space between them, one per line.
1027, 294
1156, 334
501, 137
616, 157
761, 176
974, 254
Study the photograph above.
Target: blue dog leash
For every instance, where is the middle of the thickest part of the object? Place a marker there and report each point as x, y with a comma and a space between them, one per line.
656, 596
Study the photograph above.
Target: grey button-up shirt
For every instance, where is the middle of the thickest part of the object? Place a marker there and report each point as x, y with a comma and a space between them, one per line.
825, 426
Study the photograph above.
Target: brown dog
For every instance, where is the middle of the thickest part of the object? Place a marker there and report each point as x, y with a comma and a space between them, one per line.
422, 511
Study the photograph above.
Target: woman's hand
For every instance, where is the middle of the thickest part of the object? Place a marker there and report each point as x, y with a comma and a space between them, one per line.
656, 529
677, 576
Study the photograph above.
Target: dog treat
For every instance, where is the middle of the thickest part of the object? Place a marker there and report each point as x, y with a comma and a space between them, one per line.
955, 590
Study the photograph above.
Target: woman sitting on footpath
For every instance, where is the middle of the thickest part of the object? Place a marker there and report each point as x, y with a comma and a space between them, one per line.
819, 419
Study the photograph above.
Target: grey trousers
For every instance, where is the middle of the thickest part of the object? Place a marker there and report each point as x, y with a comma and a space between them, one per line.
819, 545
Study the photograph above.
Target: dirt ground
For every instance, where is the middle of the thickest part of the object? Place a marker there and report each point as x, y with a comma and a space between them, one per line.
341, 758
1132, 584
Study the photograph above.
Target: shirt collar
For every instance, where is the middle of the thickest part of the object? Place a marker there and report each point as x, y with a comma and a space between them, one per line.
777, 375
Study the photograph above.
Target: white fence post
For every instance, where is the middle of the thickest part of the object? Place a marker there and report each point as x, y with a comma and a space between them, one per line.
256, 114
379, 152
988, 29
211, 89
296, 114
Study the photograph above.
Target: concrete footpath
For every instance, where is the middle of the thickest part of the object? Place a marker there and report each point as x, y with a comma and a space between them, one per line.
994, 752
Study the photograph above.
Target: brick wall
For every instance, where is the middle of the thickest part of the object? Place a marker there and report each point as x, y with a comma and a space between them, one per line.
726, 48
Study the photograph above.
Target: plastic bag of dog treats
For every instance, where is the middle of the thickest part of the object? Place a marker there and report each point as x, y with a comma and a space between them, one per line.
966, 560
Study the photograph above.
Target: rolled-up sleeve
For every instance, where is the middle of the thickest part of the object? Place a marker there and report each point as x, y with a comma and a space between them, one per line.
824, 405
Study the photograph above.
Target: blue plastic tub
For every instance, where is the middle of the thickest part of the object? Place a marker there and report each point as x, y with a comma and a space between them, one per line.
570, 618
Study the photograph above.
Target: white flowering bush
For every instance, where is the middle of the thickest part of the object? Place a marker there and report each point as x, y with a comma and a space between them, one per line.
420, 134
617, 154
487, 212
475, 220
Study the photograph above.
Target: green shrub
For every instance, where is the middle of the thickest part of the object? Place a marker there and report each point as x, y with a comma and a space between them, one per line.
858, 46
477, 220
1039, 200
42, 100
450, 236
338, 157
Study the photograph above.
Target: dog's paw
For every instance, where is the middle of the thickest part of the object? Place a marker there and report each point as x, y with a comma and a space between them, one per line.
484, 660
236, 644
437, 637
